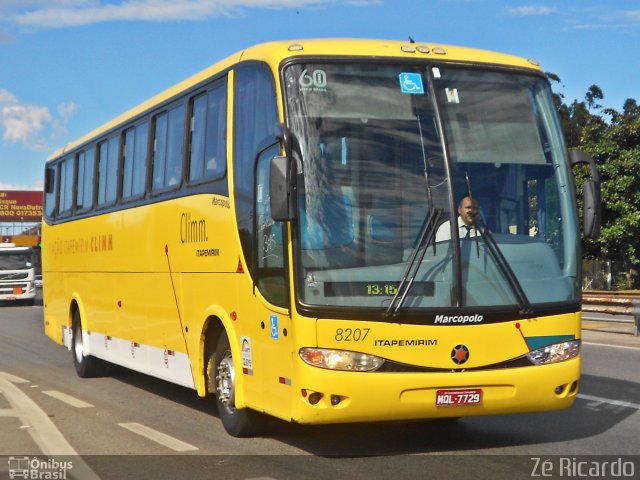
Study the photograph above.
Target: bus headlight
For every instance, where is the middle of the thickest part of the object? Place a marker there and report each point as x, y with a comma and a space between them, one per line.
558, 352
340, 359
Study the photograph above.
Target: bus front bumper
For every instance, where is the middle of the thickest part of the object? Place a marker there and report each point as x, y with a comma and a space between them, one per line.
336, 397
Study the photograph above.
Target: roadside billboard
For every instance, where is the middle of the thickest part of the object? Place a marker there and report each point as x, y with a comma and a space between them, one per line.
20, 206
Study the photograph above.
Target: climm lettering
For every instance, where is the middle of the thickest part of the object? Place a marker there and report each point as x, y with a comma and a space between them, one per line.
192, 230
101, 243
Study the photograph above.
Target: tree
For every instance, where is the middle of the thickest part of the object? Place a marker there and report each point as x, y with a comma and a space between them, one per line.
629, 106
615, 144
577, 116
594, 93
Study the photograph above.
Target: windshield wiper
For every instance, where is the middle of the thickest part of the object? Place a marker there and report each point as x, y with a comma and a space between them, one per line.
426, 235
521, 297
494, 250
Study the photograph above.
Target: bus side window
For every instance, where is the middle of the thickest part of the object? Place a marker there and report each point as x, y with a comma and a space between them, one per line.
208, 159
168, 149
84, 188
66, 186
255, 119
215, 164
197, 141
108, 171
270, 236
51, 189
159, 151
134, 161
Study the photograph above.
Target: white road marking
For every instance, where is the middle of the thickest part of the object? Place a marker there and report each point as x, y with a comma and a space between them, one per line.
623, 347
68, 399
609, 401
12, 378
42, 430
158, 437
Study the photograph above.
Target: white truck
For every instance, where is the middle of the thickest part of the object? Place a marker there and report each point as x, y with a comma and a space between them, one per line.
17, 274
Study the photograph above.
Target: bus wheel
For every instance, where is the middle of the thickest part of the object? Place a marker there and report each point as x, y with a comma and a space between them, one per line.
86, 365
237, 422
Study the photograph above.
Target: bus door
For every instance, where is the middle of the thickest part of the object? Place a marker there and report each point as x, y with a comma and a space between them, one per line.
273, 343
263, 319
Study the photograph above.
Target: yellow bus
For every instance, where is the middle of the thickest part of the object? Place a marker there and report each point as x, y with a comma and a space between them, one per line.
281, 231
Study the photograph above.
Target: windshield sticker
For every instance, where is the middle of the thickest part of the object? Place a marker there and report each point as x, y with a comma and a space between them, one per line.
452, 95
315, 81
436, 72
411, 83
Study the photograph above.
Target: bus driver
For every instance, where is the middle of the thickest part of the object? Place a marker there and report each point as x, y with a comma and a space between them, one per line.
467, 210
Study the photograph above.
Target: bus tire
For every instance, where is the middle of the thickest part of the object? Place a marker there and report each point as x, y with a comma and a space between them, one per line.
86, 366
237, 422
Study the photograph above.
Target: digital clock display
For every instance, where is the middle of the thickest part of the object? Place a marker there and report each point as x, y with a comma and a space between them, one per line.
375, 289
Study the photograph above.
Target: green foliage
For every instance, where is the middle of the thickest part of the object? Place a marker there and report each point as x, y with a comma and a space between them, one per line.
613, 138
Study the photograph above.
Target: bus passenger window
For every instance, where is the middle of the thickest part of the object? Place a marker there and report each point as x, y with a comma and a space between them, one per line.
173, 170
198, 125
51, 189
159, 151
168, 148
135, 156
215, 164
108, 171
84, 194
66, 186
208, 146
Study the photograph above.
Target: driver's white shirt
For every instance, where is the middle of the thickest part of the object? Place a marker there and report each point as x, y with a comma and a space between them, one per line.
444, 231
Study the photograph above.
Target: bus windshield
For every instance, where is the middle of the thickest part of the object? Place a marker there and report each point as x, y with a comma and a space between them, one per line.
382, 147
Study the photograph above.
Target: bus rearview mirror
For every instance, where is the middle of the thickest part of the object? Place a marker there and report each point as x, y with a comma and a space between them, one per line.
592, 202
592, 209
281, 189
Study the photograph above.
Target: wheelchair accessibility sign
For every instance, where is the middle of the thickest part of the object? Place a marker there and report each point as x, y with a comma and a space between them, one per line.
275, 331
411, 83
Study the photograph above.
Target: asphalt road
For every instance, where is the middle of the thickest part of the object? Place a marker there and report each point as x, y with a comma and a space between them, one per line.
129, 425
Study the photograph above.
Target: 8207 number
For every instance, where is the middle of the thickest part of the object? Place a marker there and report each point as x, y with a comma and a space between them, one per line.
351, 334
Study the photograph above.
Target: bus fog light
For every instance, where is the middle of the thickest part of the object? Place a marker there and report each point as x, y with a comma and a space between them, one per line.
314, 398
340, 360
558, 352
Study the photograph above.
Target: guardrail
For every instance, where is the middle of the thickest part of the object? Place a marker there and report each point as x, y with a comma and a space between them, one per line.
614, 304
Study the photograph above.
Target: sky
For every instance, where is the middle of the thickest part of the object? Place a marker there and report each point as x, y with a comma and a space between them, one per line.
68, 66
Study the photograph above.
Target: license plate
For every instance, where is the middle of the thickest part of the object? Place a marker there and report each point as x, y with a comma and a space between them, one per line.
450, 398
17, 291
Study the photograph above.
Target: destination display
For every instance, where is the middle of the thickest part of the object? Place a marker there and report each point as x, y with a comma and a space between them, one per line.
375, 289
